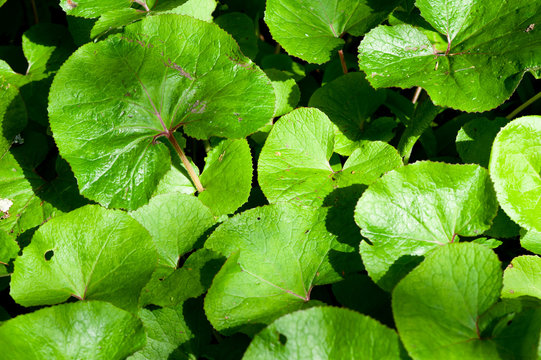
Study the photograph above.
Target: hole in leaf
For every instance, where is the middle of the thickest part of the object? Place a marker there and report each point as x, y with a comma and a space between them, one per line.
48, 255
282, 338
162, 278
258, 218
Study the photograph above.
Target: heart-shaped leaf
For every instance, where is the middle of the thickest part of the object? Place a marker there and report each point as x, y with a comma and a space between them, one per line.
89, 253
417, 208
439, 309
485, 54
155, 76
294, 162
515, 168
83, 330
269, 271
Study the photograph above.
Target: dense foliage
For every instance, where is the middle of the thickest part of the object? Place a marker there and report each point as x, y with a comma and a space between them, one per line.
279, 179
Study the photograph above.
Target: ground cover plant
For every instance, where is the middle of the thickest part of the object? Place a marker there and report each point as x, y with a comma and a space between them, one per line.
279, 179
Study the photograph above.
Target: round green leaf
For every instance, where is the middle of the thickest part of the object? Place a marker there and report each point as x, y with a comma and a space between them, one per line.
311, 30
484, 56
522, 277
82, 330
294, 162
175, 222
515, 167
227, 176
438, 305
269, 271
324, 333
349, 102
89, 253
417, 208
156, 75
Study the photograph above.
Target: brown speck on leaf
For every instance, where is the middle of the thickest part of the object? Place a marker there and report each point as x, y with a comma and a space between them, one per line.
511, 291
510, 266
221, 157
71, 4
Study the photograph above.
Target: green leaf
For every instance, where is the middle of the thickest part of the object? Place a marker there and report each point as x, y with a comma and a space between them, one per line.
169, 288
349, 101
488, 242
173, 332
437, 306
486, 51
90, 253
417, 208
312, 30
242, 28
198, 9
8, 248
83, 330
515, 165
294, 162
175, 222
423, 115
12, 114
227, 176
26, 210
503, 227
522, 277
115, 19
324, 333
269, 271
531, 240
475, 138
46, 47
286, 90
93, 8
157, 75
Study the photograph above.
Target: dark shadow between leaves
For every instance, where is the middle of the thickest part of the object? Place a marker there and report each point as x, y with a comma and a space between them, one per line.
340, 222
398, 270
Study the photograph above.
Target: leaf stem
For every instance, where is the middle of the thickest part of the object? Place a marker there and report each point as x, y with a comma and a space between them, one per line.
343, 61
416, 95
186, 162
35, 11
524, 106
142, 3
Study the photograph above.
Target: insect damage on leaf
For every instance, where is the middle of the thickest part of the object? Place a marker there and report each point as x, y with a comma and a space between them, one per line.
5, 205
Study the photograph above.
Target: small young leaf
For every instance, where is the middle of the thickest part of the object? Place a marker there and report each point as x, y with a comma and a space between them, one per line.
515, 163
324, 333
175, 222
487, 50
311, 30
417, 208
349, 102
174, 332
89, 253
522, 277
227, 176
82, 330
